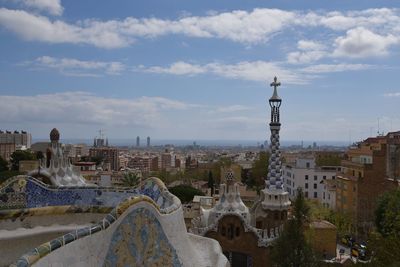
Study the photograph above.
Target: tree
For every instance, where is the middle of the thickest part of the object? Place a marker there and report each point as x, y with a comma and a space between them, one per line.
39, 155
387, 214
259, 171
211, 182
385, 243
342, 221
3, 165
19, 155
130, 179
291, 249
185, 192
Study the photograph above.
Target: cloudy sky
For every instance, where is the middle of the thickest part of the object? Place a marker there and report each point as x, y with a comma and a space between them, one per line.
200, 69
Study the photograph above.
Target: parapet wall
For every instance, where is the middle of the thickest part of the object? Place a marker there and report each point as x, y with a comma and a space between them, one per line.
146, 228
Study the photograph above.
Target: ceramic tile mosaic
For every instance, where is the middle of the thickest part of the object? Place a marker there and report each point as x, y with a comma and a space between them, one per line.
145, 222
140, 240
27, 192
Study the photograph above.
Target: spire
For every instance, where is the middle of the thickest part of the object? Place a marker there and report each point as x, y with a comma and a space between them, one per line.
274, 177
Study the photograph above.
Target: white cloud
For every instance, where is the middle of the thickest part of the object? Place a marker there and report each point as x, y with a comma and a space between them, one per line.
310, 51
395, 94
178, 68
87, 109
53, 7
327, 68
246, 27
303, 57
233, 108
307, 45
369, 18
246, 70
38, 28
75, 67
361, 42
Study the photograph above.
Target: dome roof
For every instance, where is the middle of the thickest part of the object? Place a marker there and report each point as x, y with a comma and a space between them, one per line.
54, 135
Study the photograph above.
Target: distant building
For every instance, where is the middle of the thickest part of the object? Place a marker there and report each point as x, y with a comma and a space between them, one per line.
6, 150
109, 156
148, 141
20, 139
100, 142
371, 168
167, 160
138, 141
141, 163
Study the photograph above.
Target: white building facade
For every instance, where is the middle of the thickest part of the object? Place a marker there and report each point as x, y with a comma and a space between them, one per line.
314, 181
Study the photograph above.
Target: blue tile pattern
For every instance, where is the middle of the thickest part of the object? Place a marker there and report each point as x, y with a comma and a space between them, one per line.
140, 240
27, 192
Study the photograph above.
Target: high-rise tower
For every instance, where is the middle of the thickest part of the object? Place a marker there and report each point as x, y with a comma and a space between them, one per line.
148, 141
137, 141
271, 209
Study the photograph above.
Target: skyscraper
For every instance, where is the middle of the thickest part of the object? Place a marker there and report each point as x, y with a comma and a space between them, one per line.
137, 141
148, 141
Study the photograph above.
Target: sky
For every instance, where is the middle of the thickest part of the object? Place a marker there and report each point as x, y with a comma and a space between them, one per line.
200, 69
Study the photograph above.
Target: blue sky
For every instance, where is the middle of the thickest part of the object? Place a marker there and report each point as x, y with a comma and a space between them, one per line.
199, 69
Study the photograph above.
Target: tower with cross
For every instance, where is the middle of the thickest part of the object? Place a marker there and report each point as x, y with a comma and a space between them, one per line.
271, 209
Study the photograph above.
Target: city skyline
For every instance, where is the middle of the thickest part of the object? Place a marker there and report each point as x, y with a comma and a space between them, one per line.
200, 71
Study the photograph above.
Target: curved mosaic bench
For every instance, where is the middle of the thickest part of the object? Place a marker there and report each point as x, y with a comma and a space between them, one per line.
142, 217
145, 229
24, 192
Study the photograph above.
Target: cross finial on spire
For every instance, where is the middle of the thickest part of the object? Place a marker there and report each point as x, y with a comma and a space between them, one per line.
275, 83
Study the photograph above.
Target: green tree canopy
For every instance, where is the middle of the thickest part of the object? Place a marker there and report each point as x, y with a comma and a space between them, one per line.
291, 249
211, 182
19, 155
385, 242
185, 192
258, 171
3, 165
387, 214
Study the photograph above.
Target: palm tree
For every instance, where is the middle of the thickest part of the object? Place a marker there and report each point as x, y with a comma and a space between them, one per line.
130, 179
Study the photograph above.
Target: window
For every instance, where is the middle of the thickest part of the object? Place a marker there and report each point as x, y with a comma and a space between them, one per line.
324, 177
315, 177
306, 177
306, 194
315, 195
308, 165
230, 231
306, 185
333, 177
324, 195
315, 186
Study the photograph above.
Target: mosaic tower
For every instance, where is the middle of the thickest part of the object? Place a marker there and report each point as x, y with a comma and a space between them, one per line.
274, 177
276, 198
